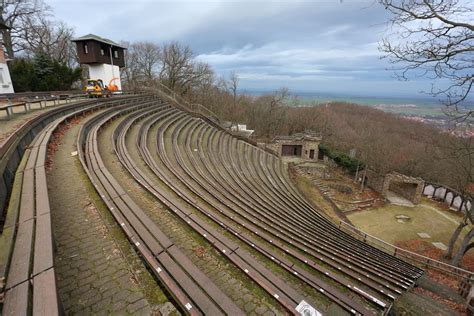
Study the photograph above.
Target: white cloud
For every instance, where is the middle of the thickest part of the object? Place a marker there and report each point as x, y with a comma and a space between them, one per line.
270, 43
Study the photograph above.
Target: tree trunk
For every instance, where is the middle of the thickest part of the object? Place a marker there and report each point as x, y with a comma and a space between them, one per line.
362, 183
357, 173
7, 43
454, 238
469, 247
462, 249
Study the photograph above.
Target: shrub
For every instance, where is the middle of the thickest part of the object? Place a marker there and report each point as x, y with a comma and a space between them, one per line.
341, 159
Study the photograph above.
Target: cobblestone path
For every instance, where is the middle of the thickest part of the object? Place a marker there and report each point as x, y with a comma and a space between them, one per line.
98, 272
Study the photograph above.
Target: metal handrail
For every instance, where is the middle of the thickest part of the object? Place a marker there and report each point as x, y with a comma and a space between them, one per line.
406, 254
192, 107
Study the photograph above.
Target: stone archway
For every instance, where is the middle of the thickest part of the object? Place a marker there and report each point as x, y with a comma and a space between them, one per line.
407, 187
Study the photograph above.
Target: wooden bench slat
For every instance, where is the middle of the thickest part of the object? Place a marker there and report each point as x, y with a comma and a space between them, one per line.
42, 153
16, 300
148, 223
19, 270
42, 199
207, 306
140, 229
30, 163
13, 210
45, 294
27, 205
43, 255
217, 295
267, 274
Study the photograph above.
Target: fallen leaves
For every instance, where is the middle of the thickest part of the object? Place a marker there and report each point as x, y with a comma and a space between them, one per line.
200, 251
460, 308
428, 250
55, 140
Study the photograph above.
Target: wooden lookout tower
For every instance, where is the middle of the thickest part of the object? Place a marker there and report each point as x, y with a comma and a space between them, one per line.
103, 56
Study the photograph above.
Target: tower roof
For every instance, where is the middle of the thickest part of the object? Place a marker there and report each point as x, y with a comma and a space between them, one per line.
92, 37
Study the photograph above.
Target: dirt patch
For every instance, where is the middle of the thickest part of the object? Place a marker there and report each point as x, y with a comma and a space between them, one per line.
460, 308
12, 130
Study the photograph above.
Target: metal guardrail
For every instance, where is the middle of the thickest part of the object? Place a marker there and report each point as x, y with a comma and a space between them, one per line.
38, 94
406, 254
190, 107
48, 94
205, 113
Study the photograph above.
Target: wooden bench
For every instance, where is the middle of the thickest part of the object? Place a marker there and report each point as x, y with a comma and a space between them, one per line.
27, 273
26, 104
196, 293
30, 270
8, 108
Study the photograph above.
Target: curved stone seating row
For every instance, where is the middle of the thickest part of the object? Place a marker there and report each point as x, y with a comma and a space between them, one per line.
27, 273
391, 274
192, 290
262, 276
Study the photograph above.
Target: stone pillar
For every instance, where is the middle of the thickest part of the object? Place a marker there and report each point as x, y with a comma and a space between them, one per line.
386, 184
419, 191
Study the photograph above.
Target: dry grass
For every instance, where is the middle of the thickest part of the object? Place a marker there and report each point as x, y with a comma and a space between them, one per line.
381, 222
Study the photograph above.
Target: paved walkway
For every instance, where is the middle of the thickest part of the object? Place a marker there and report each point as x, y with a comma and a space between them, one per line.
95, 273
398, 200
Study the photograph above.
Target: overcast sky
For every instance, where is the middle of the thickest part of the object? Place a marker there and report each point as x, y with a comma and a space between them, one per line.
307, 46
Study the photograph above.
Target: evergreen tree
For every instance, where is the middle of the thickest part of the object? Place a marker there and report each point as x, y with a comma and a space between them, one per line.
42, 74
22, 73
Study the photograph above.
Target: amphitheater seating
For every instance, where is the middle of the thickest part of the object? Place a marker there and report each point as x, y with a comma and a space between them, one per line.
244, 185
210, 180
27, 275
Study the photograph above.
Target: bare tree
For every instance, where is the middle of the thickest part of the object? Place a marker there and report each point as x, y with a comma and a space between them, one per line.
148, 58
14, 13
200, 74
233, 85
40, 35
459, 152
142, 62
180, 71
434, 38
176, 65
271, 113
131, 74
